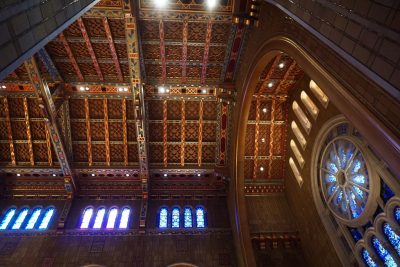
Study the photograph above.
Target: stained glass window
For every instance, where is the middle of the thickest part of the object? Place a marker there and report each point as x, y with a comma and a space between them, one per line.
386, 192
99, 218
46, 219
20, 219
87, 215
383, 253
112, 216
344, 177
123, 223
393, 238
163, 218
355, 234
33, 219
200, 220
7, 218
397, 214
175, 218
187, 214
367, 258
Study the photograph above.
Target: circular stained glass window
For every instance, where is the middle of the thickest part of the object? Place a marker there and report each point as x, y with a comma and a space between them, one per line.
344, 178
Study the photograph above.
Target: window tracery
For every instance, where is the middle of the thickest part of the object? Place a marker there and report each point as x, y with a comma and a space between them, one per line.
200, 220
108, 220
187, 216
393, 238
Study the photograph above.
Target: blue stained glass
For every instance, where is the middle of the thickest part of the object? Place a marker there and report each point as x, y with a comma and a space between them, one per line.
123, 223
34, 217
332, 167
87, 215
7, 218
163, 218
187, 214
397, 214
342, 157
329, 178
175, 218
356, 166
331, 189
386, 192
46, 219
355, 234
200, 220
99, 218
340, 196
394, 239
355, 212
383, 253
20, 219
112, 216
359, 178
359, 193
367, 259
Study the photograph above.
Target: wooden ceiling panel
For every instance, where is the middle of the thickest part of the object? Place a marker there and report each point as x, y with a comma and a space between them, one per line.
66, 69
252, 112
193, 72
115, 129
174, 153
153, 71
16, 107
174, 71
155, 153
191, 132
152, 51
117, 27
195, 53
216, 54
117, 153
78, 131
214, 72
34, 110
38, 130
56, 50
155, 109
87, 69
95, 27
173, 31
279, 139
130, 110
248, 168
80, 50
208, 153
281, 110
209, 132
80, 152
192, 110
102, 50
277, 169
121, 52
99, 152
3, 130
133, 153
96, 108
3, 112
172, 52
22, 152
19, 130
114, 108
174, 132
220, 32
250, 134
197, 32
150, 30
5, 155
108, 70
109, 3
210, 110
40, 154
191, 153
174, 110
131, 129
263, 142
73, 30
97, 131
156, 133
77, 108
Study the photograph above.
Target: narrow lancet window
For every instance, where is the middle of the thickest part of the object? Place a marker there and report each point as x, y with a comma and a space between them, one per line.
87, 215
163, 218
367, 259
175, 218
383, 253
20, 219
187, 214
112, 216
123, 224
393, 238
46, 219
33, 219
7, 218
99, 218
200, 220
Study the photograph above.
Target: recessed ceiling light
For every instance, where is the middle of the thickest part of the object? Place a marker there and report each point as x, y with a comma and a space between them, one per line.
3, 86
263, 140
270, 84
161, 89
264, 110
54, 174
18, 174
120, 89
204, 91
87, 88
199, 174
93, 174
211, 3
125, 89
281, 65
127, 174
165, 175
262, 169
160, 3
167, 90
82, 88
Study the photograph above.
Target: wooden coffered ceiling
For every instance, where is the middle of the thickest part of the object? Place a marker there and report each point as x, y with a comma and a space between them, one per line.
87, 130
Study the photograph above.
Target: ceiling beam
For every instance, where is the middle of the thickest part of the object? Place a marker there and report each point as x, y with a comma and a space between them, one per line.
184, 49
206, 51
9, 131
183, 122
46, 103
132, 42
223, 133
106, 132
90, 49
256, 138
269, 74
165, 132
28, 131
88, 135
162, 53
112, 49
48, 144
49, 64
271, 136
125, 132
71, 57
200, 141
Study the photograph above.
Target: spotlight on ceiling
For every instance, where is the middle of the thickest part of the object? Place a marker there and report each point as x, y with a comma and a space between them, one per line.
54, 174
165, 175
161, 89
18, 174
127, 174
281, 65
270, 84
204, 91
263, 140
160, 3
211, 3
87, 88
262, 169
3, 86
199, 174
93, 174
120, 89
125, 89
82, 88
264, 110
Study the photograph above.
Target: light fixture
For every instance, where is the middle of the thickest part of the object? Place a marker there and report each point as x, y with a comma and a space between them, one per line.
160, 3
3, 86
125, 89
18, 174
262, 169
93, 174
281, 65
127, 174
165, 175
82, 88
120, 89
161, 89
54, 174
264, 110
204, 91
270, 84
211, 3
167, 90
199, 174
87, 88
263, 140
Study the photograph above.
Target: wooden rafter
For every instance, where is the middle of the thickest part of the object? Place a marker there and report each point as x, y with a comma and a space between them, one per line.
49, 64
47, 105
9, 131
90, 48
271, 136
48, 144
28, 132
200, 145
107, 133
88, 135
71, 56
183, 122
140, 111
206, 51
124, 132
256, 139
112, 49
162, 52
165, 133
184, 49
269, 74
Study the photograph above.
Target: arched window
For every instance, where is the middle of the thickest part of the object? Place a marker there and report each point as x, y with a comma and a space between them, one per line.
112, 216
301, 116
311, 107
367, 258
397, 214
393, 238
20, 219
299, 135
163, 218
123, 223
200, 220
46, 219
175, 218
87, 215
99, 218
187, 214
297, 153
319, 94
7, 218
33, 219
296, 172
383, 253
